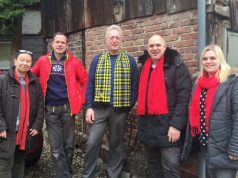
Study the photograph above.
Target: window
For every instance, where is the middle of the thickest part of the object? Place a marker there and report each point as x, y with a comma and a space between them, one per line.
5, 54
231, 48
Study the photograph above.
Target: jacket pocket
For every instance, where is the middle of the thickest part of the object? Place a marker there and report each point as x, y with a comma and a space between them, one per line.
4, 145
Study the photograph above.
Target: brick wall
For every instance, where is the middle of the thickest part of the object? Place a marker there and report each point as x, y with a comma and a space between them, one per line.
75, 44
179, 30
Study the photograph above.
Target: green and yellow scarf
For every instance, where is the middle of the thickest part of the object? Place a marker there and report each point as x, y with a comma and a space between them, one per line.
122, 80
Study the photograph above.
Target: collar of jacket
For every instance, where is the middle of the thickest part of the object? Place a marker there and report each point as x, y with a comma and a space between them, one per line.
68, 56
31, 76
222, 89
172, 57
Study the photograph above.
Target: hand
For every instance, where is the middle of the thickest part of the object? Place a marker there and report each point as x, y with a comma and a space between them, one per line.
3, 134
173, 134
33, 132
90, 116
232, 157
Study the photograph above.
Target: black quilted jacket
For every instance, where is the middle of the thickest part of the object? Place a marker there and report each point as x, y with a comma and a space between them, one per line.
223, 127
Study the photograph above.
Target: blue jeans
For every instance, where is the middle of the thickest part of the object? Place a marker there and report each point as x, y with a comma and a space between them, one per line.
163, 162
60, 127
116, 122
13, 167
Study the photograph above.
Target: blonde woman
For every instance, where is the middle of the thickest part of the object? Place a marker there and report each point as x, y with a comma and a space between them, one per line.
213, 115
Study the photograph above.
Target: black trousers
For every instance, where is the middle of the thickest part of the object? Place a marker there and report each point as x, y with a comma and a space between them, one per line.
163, 162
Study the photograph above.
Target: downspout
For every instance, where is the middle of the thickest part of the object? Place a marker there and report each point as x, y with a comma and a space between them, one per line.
201, 27
201, 46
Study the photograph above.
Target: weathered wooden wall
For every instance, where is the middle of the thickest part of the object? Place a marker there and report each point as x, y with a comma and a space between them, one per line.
234, 15
73, 15
174, 6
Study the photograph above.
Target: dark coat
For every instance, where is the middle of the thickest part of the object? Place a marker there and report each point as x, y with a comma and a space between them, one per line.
153, 130
223, 127
9, 107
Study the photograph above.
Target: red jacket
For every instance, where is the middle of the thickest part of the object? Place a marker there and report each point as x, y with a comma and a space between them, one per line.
76, 78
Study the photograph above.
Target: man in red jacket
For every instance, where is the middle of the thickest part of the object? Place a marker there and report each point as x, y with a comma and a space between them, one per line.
63, 80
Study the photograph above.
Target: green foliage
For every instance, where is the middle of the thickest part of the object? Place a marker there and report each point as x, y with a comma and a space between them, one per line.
9, 10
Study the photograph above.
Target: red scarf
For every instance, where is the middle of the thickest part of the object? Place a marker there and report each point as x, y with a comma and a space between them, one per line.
210, 83
24, 114
157, 99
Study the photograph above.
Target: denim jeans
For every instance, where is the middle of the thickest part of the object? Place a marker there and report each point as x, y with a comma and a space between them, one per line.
13, 167
60, 127
116, 122
163, 162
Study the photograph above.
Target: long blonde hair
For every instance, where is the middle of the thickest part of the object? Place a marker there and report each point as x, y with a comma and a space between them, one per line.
224, 70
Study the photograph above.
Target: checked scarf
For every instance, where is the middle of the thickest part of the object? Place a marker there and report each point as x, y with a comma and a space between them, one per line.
122, 80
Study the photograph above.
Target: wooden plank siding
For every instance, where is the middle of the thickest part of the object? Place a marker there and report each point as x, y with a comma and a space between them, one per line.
78, 15
174, 6
138, 8
101, 12
48, 18
234, 15
159, 6
74, 15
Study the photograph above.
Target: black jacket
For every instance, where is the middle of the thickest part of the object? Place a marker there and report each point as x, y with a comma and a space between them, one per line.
9, 107
153, 130
223, 127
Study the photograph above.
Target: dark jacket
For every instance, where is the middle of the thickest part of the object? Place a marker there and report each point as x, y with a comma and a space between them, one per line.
9, 107
223, 127
153, 130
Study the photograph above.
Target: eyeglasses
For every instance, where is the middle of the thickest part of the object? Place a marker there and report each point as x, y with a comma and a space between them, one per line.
25, 51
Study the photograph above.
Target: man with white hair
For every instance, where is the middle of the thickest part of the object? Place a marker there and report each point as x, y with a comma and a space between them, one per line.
111, 93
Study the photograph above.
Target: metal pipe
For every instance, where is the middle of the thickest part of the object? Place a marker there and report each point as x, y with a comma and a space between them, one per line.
201, 45
201, 26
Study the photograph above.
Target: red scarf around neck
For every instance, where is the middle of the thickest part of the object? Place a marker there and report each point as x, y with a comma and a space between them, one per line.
24, 114
157, 99
210, 83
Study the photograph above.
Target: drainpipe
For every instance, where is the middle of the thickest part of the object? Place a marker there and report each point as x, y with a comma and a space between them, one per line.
201, 45
201, 27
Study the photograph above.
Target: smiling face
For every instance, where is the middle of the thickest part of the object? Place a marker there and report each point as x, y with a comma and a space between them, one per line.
210, 63
23, 63
113, 41
59, 45
156, 48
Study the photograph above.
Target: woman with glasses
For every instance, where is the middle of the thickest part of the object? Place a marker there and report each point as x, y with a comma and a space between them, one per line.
21, 114
213, 116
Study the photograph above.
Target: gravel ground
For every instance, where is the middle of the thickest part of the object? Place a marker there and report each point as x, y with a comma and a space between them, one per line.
134, 168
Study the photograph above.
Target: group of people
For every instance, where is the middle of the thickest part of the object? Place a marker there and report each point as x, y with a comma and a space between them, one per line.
174, 116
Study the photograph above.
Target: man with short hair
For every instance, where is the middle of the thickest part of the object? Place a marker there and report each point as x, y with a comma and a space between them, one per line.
63, 80
163, 97
111, 93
